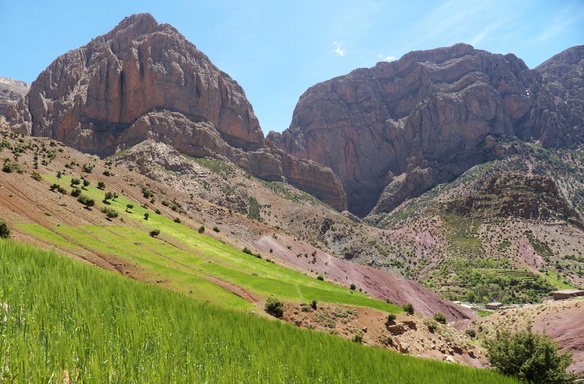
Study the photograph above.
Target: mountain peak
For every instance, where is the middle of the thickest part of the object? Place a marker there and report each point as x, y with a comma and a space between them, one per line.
138, 24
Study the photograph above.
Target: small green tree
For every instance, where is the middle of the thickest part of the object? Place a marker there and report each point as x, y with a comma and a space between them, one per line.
4, 230
155, 232
353, 287
275, 307
408, 308
88, 202
201, 229
146, 216
101, 185
530, 356
129, 206
86, 183
108, 196
440, 317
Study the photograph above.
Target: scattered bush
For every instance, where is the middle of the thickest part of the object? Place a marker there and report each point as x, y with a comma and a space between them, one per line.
76, 192
88, 168
201, 229
100, 185
155, 232
86, 183
275, 307
471, 333
216, 229
177, 220
88, 202
147, 193
247, 250
75, 181
10, 167
353, 287
391, 318
408, 308
320, 277
313, 304
358, 338
36, 176
529, 356
129, 206
432, 325
4, 230
440, 317
109, 212
146, 216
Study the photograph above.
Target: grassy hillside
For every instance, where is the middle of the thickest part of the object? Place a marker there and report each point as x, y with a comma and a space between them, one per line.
513, 245
65, 321
188, 261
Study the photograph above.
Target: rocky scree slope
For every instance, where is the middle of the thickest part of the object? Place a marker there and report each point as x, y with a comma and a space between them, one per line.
395, 130
144, 80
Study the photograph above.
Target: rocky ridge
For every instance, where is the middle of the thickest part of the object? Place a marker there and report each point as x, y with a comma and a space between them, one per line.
395, 130
144, 80
10, 91
532, 197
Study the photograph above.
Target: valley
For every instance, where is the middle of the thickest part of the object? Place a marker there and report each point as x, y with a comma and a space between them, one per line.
450, 175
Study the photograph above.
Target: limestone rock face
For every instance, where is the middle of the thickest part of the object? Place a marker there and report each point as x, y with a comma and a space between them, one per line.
144, 80
563, 77
395, 130
93, 94
10, 91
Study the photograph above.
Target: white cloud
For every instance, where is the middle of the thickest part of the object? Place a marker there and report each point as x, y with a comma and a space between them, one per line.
386, 58
338, 49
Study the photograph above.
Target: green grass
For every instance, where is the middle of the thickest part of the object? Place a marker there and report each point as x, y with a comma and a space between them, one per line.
190, 262
554, 278
69, 319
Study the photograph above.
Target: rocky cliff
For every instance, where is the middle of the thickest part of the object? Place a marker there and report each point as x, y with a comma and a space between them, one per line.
395, 130
144, 80
10, 91
532, 197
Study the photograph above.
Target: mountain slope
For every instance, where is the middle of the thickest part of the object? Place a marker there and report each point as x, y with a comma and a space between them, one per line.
144, 80
395, 130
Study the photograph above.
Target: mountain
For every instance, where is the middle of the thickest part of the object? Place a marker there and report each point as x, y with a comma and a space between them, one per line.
198, 249
144, 80
395, 130
10, 91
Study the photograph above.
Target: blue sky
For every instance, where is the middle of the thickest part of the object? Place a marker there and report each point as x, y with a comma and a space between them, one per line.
276, 49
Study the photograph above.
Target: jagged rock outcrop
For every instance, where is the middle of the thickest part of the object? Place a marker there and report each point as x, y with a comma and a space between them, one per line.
395, 130
10, 91
532, 197
144, 80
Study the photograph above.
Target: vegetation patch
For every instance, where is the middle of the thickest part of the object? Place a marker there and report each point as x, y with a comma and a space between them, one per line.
62, 318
